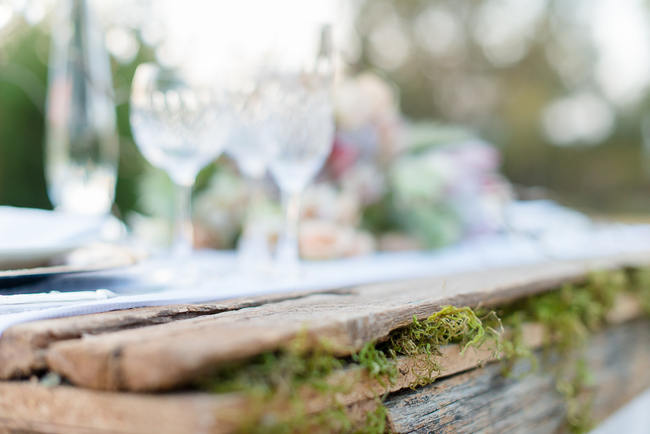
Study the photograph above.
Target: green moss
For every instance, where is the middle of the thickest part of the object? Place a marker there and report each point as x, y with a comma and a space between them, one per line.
376, 363
375, 420
578, 397
572, 312
459, 325
273, 381
283, 372
568, 315
513, 346
451, 324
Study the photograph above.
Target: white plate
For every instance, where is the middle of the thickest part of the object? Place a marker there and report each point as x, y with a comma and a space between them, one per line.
31, 237
93, 258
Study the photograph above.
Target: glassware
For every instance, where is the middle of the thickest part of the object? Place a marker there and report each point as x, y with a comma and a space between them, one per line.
81, 141
303, 134
250, 146
179, 126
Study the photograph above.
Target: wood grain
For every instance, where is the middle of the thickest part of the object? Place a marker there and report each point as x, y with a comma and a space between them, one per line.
71, 410
165, 356
478, 400
482, 401
23, 346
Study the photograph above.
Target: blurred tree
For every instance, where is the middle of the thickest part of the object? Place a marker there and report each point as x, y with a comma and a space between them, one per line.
541, 78
23, 75
23, 78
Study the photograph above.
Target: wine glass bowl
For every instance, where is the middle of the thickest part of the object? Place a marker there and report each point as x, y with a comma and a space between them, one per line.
304, 132
251, 142
300, 94
179, 125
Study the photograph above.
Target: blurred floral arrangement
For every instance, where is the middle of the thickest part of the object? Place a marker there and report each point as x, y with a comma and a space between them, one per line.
388, 184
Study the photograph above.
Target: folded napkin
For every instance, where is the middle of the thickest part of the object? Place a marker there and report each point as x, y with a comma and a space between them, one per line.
30, 236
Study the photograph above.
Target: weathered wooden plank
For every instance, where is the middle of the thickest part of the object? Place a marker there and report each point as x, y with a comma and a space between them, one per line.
484, 401
165, 356
70, 410
226, 410
22, 347
65, 409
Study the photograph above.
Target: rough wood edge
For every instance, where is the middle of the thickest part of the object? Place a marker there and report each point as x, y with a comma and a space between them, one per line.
23, 346
23, 403
617, 357
169, 355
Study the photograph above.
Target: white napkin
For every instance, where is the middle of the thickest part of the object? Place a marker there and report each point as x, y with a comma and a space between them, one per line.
29, 236
28, 228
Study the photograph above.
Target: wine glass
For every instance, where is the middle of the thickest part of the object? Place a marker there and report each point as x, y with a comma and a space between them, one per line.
250, 146
81, 149
179, 125
303, 134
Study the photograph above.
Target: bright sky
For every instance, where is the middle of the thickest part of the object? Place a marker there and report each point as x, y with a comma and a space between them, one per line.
224, 36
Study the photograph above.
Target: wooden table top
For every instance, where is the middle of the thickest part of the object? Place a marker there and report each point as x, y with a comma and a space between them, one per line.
153, 349
115, 360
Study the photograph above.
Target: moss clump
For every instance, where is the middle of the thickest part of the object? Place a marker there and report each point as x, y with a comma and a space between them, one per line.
273, 382
282, 372
572, 312
460, 325
280, 376
376, 363
568, 315
457, 325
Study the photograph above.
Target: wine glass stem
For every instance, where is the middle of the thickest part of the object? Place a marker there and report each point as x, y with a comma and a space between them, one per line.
253, 244
183, 233
288, 252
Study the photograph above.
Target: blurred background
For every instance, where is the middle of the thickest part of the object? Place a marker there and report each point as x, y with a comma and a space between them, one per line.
561, 88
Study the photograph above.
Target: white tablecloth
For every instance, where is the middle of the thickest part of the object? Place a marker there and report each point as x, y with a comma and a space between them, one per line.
145, 284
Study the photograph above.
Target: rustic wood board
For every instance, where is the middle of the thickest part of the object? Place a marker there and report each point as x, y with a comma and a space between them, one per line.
483, 401
165, 356
22, 347
619, 358
34, 408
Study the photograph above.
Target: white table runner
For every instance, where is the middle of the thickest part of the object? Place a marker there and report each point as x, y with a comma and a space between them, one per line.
143, 285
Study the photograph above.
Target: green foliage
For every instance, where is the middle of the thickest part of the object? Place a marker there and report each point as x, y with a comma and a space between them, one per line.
579, 400
275, 379
571, 312
23, 72
375, 420
280, 376
568, 315
423, 136
513, 347
283, 372
449, 325
376, 363
379, 217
